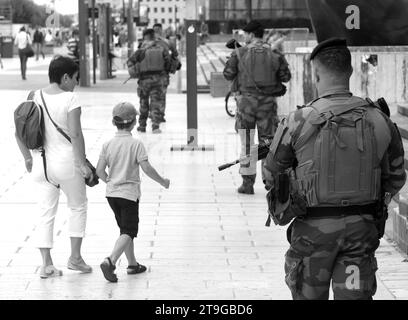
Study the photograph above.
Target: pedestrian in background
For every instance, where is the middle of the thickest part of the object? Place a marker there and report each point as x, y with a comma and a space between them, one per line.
171, 47
66, 167
258, 72
38, 41
21, 41
153, 62
73, 46
123, 155
1, 61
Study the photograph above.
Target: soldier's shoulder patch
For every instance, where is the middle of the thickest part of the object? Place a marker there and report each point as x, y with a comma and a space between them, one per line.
300, 107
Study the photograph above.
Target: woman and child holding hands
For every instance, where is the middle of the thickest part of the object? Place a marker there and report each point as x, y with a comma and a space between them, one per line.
66, 169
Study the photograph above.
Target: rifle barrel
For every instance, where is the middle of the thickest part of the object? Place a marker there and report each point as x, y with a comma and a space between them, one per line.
227, 165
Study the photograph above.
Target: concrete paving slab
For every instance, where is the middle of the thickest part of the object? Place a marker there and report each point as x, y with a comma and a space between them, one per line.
199, 239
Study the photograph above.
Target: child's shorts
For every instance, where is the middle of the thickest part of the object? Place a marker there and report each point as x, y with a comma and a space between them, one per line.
126, 214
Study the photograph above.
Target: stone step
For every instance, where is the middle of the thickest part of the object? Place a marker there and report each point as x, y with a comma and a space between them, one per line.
405, 143
402, 122
403, 109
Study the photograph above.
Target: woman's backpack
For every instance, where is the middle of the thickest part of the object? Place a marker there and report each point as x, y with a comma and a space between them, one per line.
29, 122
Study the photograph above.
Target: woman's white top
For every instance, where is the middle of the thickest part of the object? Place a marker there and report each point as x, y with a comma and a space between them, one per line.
58, 150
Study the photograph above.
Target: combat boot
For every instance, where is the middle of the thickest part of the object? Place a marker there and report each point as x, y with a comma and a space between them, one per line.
247, 186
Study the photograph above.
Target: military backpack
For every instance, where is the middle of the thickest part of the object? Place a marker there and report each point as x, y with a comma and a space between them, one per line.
340, 166
153, 60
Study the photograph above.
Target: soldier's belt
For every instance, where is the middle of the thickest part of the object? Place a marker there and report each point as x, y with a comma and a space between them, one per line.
321, 212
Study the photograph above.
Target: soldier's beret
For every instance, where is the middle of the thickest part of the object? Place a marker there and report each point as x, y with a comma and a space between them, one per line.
328, 44
253, 26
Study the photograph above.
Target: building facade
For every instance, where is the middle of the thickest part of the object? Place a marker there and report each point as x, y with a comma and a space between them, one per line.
225, 15
6, 13
170, 13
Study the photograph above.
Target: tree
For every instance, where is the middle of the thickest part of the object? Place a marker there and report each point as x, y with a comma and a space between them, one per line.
27, 12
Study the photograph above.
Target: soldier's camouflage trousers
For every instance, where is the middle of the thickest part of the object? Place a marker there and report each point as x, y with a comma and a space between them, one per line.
338, 249
254, 111
163, 103
151, 92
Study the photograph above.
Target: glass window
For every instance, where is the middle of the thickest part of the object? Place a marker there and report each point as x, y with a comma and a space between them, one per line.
163, 21
154, 9
155, 20
163, 10
170, 20
170, 9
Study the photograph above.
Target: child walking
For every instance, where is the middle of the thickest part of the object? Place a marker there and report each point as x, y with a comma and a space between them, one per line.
123, 155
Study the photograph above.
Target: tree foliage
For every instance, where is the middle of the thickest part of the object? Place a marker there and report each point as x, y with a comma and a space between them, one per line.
27, 12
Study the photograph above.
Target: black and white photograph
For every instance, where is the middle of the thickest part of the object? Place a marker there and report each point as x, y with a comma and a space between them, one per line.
205, 157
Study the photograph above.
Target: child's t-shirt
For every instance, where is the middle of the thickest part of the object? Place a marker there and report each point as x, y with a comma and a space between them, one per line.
122, 155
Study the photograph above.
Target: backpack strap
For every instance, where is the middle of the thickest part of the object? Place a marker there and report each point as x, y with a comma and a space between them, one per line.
277, 139
45, 168
244, 68
59, 130
31, 95
322, 119
56, 126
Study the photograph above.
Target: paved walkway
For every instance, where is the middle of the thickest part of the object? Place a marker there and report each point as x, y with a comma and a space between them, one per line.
199, 239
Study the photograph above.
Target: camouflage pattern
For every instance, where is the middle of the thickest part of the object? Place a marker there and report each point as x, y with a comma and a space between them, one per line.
174, 53
232, 72
254, 111
340, 249
152, 88
322, 248
166, 81
151, 91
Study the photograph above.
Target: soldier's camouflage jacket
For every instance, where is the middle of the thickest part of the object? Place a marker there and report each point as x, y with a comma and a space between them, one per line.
139, 55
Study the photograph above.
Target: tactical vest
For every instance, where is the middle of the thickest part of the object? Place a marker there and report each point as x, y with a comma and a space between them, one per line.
153, 60
337, 156
260, 65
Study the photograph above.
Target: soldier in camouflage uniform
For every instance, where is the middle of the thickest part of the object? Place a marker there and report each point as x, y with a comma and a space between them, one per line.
256, 103
151, 85
169, 46
334, 243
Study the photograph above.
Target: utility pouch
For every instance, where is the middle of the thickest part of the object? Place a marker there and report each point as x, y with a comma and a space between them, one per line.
285, 202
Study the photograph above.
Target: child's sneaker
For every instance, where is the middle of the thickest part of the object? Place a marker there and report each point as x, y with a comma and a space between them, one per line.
107, 268
139, 268
49, 272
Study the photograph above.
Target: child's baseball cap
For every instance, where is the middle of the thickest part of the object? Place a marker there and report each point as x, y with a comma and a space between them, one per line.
124, 113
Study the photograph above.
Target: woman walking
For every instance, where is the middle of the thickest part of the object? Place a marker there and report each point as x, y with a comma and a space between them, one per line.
66, 167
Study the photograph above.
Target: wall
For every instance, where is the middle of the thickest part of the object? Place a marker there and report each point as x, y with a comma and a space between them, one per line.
389, 79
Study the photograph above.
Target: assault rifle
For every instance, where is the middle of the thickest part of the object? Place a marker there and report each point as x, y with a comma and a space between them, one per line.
261, 149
